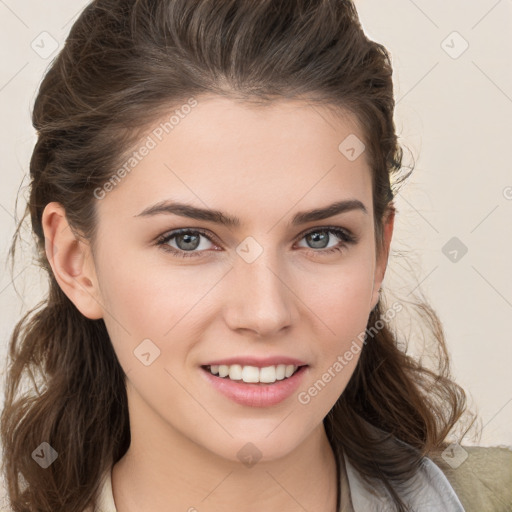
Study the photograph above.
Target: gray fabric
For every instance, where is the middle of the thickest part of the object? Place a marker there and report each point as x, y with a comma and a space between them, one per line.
106, 498
430, 491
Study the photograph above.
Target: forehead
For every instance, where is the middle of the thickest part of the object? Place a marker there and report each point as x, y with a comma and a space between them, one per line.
220, 151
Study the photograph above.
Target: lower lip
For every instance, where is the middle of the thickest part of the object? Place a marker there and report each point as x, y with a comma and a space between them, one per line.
256, 394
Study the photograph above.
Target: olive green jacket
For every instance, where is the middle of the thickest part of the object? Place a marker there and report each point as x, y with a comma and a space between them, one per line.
483, 481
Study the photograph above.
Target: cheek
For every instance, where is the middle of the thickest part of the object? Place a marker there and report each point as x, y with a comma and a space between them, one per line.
341, 305
343, 311
145, 297
341, 296
161, 304
156, 300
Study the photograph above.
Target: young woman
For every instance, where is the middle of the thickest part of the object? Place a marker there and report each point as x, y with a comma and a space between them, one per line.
212, 196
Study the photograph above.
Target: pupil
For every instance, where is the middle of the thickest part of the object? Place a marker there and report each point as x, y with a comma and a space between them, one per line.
318, 239
189, 239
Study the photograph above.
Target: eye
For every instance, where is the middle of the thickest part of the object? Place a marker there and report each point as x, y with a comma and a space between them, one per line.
318, 237
188, 240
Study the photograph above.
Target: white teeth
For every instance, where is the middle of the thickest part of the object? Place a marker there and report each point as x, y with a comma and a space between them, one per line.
289, 370
253, 374
235, 372
248, 374
268, 374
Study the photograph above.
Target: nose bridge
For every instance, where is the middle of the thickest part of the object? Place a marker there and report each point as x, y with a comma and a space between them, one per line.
262, 300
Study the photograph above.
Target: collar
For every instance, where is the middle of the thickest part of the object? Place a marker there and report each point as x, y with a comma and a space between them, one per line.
428, 491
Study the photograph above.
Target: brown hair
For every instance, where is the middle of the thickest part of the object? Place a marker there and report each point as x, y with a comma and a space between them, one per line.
125, 60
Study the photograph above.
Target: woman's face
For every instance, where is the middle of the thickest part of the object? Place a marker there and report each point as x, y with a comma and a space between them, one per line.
276, 284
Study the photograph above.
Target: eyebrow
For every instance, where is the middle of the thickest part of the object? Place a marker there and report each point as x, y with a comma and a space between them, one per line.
218, 217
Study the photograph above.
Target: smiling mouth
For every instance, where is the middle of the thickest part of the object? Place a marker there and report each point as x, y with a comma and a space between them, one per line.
252, 374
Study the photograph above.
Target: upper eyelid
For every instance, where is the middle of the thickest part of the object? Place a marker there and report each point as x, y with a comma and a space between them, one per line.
208, 234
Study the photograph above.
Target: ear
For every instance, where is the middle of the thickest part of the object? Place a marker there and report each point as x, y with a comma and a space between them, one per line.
71, 262
382, 258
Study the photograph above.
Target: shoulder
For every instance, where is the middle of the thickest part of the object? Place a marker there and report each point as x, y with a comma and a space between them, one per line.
481, 476
427, 491
4, 499
430, 490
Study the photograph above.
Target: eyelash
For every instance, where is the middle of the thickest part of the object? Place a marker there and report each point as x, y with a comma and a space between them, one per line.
346, 237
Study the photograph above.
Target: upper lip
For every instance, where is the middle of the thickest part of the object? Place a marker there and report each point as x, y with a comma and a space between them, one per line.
259, 362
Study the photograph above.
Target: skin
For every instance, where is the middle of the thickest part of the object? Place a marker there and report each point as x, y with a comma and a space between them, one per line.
262, 165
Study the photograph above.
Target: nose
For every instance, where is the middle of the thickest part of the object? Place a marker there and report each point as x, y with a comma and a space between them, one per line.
260, 299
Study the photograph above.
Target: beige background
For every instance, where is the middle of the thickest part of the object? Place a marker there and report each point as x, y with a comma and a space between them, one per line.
454, 112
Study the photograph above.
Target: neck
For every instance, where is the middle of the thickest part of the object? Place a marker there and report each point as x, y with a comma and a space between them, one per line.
165, 470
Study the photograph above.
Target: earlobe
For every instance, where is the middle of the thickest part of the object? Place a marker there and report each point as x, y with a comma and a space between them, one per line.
71, 262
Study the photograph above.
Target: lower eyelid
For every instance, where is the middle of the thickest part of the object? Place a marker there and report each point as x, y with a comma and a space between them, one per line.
166, 238
345, 238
